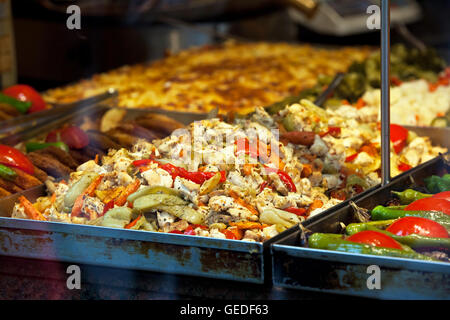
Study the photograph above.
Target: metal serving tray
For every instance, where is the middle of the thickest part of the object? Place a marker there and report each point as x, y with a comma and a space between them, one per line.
139, 250
298, 267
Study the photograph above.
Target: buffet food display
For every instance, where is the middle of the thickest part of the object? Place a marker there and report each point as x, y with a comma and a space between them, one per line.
218, 194
62, 150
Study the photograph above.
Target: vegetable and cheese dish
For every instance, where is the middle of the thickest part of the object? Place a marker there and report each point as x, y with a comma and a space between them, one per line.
232, 76
426, 104
244, 180
251, 189
353, 135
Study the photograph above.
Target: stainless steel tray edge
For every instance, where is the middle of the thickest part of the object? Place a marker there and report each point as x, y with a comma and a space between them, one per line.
346, 273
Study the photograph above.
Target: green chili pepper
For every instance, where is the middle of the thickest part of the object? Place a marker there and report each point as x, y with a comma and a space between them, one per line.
415, 240
353, 228
21, 106
412, 240
33, 146
7, 173
385, 213
409, 195
337, 243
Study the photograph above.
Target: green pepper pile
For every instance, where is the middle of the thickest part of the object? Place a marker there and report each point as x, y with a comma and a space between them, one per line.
415, 229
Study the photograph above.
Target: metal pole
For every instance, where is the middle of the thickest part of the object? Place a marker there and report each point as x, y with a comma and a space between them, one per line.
385, 87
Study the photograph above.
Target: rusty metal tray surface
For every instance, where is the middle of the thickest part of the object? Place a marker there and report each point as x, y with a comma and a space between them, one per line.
140, 250
298, 267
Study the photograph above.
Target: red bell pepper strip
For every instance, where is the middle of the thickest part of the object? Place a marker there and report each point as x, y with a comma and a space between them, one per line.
297, 211
108, 207
176, 232
352, 157
195, 176
263, 186
332, 131
195, 226
229, 235
12, 157
189, 231
398, 137
284, 177
143, 162
404, 167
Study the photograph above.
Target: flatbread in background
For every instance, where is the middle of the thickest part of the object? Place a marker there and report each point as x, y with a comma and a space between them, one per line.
232, 76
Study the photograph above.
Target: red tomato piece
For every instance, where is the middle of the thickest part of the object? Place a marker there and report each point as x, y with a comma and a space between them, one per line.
12, 157
398, 137
430, 204
442, 195
74, 137
143, 162
375, 238
352, 157
418, 225
26, 93
404, 167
